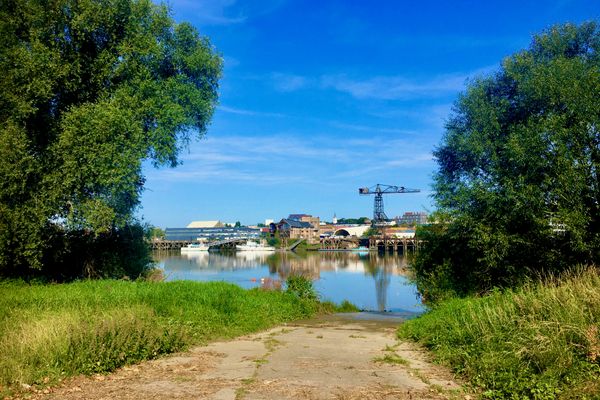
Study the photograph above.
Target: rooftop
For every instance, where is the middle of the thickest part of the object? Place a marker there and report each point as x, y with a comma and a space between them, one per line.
205, 224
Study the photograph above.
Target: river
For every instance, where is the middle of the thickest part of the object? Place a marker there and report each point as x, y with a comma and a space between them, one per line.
371, 281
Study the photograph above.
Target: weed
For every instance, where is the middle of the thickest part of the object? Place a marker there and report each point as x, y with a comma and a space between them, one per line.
346, 307
420, 375
271, 344
391, 358
540, 341
328, 307
357, 337
182, 379
301, 286
154, 275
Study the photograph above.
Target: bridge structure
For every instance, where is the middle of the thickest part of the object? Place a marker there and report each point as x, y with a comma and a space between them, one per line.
339, 243
351, 230
161, 244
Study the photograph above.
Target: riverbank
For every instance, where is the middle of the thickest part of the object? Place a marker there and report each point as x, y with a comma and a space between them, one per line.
50, 332
538, 342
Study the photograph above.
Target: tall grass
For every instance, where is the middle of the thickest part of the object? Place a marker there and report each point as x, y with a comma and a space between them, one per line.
538, 342
51, 331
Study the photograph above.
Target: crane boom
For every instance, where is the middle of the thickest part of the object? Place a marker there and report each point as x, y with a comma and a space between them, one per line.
379, 190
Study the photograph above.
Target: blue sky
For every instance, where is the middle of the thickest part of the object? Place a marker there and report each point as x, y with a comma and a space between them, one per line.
320, 98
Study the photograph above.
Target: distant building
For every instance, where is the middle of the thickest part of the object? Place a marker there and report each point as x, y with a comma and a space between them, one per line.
346, 230
205, 224
295, 229
399, 232
314, 221
297, 217
334, 221
216, 233
412, 218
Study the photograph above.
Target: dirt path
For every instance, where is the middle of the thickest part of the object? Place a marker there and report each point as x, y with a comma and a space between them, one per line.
327, 358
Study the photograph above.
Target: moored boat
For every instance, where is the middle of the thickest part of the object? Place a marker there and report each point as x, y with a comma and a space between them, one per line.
194, 247
253, 246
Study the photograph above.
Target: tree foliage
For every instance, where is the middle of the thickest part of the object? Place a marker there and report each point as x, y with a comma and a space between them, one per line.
359, 221
518, 185
89, 90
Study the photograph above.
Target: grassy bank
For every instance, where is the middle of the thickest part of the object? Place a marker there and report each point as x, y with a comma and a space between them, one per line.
48, 332
539, 342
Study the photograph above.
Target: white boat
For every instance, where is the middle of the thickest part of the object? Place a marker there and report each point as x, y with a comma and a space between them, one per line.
253, 246
194, 247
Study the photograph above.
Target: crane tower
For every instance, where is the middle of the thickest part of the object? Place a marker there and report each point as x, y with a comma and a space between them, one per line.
379, 190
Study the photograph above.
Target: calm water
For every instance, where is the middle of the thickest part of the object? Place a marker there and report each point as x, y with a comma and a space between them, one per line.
373, 282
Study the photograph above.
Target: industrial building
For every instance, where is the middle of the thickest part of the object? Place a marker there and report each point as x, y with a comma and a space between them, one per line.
412, 218
214, 233
205, 224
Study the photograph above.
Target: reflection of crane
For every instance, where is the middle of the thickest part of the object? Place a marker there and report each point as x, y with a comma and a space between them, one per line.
379, 190
381, 276
382, 281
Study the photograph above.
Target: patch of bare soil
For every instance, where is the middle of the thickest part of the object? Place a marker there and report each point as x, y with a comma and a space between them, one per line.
327, 358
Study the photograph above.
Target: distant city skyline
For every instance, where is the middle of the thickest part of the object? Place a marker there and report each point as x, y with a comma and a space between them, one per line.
319, 100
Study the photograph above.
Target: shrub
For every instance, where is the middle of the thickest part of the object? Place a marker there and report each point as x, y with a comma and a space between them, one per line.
301, 286
537, 342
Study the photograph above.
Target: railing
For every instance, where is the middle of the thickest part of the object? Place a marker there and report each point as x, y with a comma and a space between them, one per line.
295, 244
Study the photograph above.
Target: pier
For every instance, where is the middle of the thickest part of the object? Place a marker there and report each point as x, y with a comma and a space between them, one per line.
393, 244
383, 244
161, 244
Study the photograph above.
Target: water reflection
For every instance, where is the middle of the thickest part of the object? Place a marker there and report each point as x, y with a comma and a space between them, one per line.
369, 280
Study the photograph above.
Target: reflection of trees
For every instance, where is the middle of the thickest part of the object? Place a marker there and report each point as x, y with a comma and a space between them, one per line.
273, 262
290, 263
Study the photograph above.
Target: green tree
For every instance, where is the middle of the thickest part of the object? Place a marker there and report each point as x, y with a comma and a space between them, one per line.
361, 220
89, 90
518, 186
154, 232
372, 231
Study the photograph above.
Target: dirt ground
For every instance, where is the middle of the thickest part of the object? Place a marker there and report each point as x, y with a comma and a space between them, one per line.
332, 357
